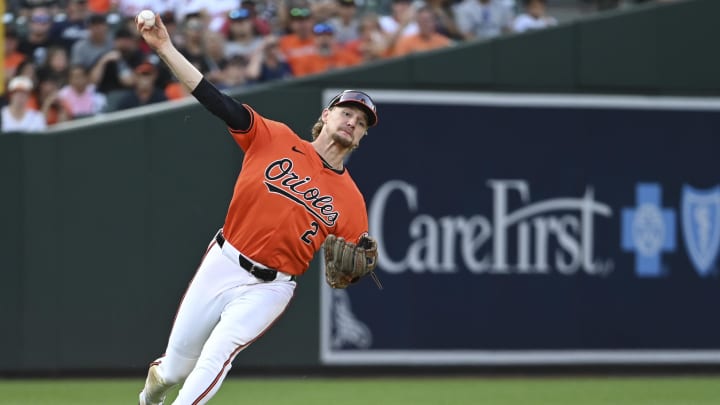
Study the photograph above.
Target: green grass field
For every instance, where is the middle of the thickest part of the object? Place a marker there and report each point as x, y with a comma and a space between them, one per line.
395, 391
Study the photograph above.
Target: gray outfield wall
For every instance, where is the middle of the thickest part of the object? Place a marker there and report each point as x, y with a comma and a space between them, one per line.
104, 221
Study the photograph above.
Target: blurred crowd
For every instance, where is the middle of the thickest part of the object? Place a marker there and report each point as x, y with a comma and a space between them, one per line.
66, 59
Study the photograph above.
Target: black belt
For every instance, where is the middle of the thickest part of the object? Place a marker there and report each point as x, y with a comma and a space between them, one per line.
263, 273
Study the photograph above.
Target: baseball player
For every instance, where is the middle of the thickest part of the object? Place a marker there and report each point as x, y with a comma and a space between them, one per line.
291, 198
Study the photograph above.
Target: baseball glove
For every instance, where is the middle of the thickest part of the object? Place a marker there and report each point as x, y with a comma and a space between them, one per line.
346, 262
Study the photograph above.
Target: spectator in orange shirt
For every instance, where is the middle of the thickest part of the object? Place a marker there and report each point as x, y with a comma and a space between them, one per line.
373, 43
329, 54
13, 58
300, 42
427, 37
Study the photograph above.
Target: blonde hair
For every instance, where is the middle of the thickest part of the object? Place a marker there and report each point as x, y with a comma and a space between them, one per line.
317, 128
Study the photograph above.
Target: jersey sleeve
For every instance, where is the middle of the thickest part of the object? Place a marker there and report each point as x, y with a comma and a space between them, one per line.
261, 129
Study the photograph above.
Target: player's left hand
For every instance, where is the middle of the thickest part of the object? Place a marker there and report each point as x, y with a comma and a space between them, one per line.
346, 262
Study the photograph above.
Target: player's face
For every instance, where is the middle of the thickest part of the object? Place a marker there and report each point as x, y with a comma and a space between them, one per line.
346, 125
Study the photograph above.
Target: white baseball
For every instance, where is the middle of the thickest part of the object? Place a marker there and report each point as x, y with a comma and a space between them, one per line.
148, 17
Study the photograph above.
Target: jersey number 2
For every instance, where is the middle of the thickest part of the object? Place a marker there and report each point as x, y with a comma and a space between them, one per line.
310, 232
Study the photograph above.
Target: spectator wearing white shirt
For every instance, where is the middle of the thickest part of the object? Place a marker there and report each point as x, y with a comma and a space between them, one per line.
16, 116
401, 21
535, 17
482, 19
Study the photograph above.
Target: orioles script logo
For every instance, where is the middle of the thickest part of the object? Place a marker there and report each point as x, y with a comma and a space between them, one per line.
281, 179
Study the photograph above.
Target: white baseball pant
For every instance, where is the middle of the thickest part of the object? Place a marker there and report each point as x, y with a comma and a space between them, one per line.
224, 310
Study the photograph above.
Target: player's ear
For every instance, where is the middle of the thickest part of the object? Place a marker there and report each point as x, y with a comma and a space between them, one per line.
325, 114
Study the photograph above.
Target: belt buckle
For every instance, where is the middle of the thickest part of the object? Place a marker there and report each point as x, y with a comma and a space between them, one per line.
262, 273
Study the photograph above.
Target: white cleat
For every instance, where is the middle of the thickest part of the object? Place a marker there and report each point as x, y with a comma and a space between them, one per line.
153, 384
143, 401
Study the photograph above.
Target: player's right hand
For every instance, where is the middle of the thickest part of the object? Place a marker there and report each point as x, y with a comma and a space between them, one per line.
155, 36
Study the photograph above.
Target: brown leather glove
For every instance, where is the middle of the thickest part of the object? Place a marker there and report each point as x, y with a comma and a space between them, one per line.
346, 262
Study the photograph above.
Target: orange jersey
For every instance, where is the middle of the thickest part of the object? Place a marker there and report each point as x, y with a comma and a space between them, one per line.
416, 43
12, 61
100, 6
175, 91
316, 63
286, 201
294, 48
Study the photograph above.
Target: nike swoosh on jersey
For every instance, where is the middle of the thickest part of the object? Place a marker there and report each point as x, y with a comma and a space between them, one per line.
295, 149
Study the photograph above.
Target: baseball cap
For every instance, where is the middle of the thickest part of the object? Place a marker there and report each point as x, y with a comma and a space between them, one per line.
20, 83
300, 12
359, 99
239, 14
145, 67
322, 28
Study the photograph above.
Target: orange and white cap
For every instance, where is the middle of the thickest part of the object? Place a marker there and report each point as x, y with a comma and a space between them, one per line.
20, 83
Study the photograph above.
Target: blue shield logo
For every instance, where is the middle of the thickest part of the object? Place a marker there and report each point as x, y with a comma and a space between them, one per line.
701, 226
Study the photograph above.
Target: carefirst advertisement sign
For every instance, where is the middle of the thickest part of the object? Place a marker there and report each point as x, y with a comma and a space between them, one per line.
535, 229
506, 241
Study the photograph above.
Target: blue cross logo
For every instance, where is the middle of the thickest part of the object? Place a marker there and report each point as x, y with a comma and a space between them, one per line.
648, 230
